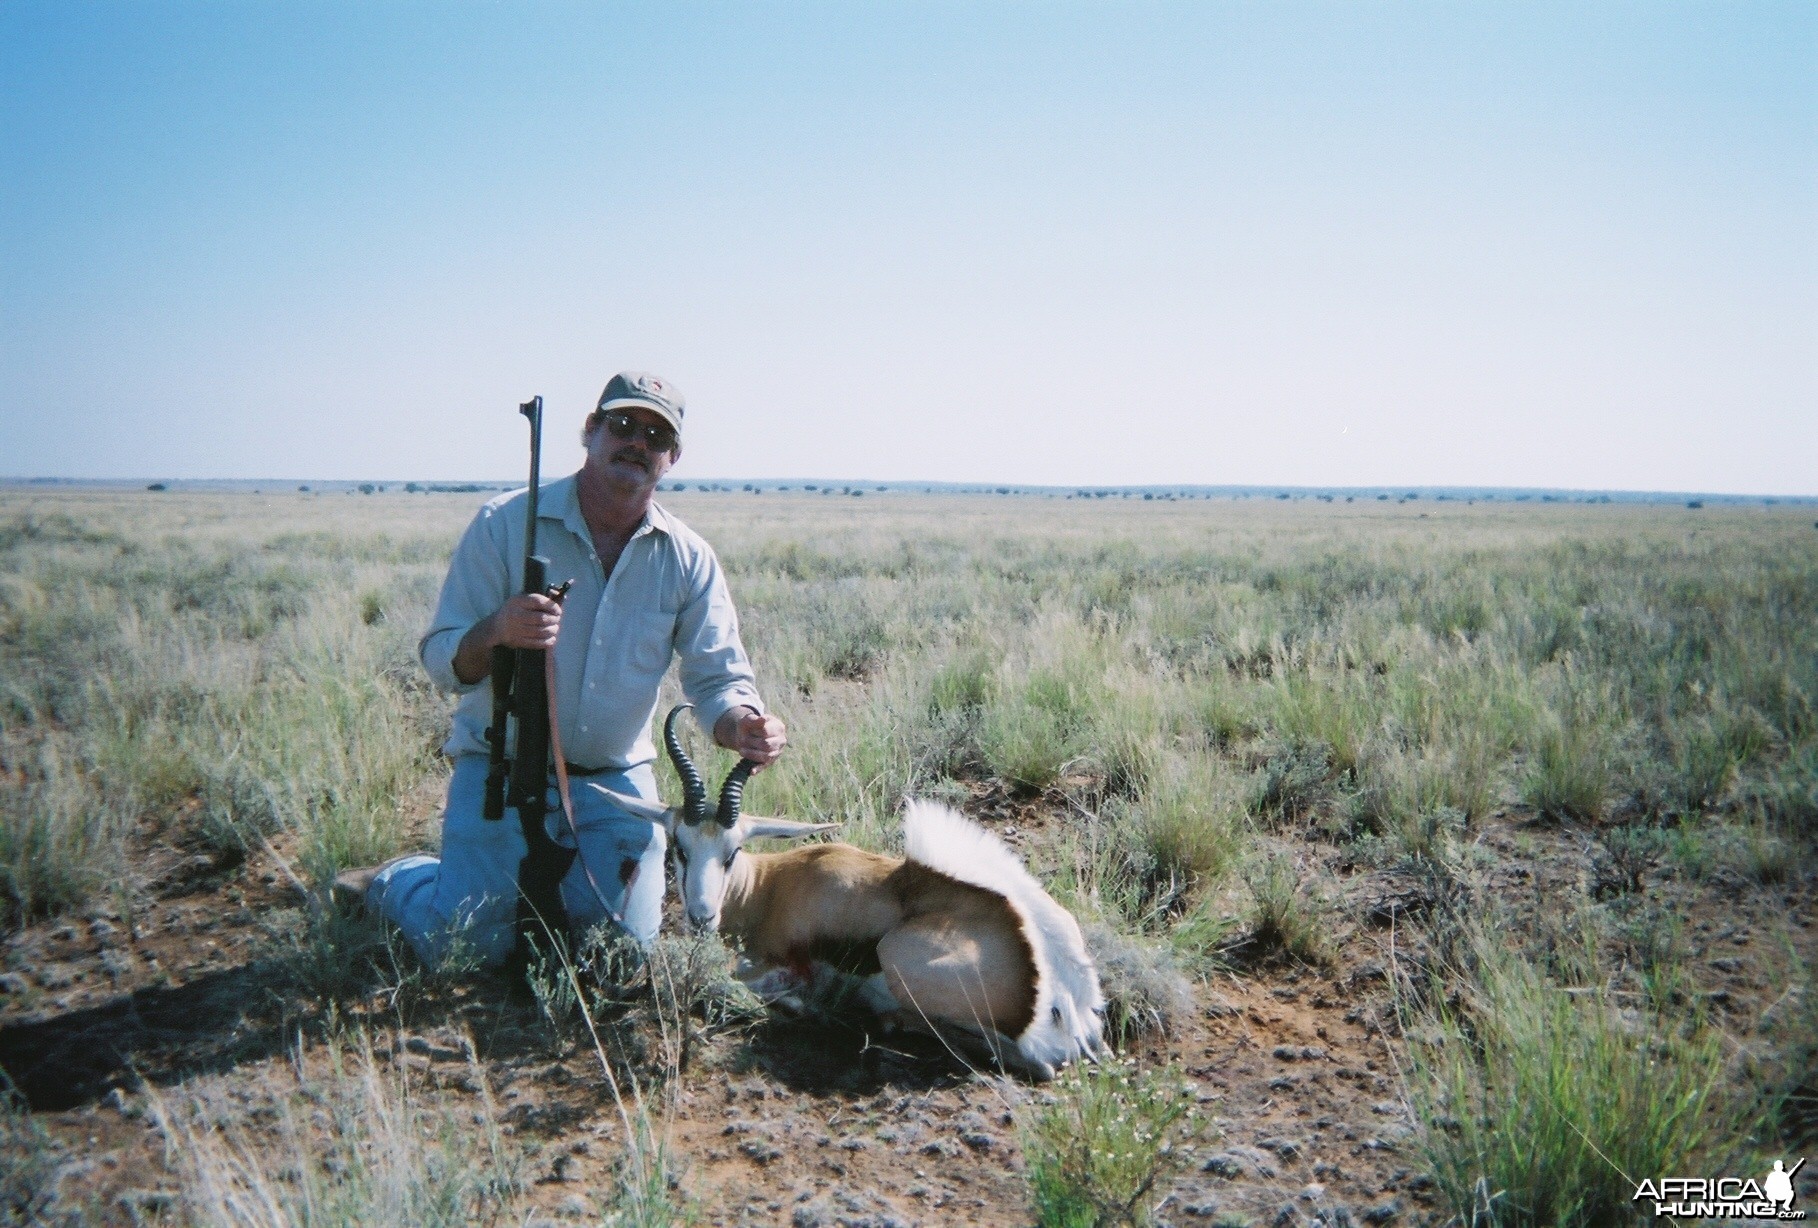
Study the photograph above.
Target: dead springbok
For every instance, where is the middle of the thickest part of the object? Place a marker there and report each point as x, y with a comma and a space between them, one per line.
956, 938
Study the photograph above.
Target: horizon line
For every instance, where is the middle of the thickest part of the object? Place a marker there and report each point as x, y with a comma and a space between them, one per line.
909, 485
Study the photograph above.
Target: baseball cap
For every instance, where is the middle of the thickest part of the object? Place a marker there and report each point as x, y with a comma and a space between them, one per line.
643, 390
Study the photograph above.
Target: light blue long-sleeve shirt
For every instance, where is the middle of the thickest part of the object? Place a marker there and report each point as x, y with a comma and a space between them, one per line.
666, 597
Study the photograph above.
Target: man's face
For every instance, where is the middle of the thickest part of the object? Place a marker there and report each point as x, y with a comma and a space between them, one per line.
629, 465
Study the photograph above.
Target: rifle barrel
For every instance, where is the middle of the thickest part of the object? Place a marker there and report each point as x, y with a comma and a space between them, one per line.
533, 409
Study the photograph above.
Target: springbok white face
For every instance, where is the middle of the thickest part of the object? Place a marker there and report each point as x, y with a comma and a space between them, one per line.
705, 843
705, 853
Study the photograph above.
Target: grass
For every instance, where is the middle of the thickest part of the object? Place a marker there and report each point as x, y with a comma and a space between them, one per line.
1186, 832
1542, 1106
60, 834
28, 1168
1286, 914
214, 669
389, 1159
1176, 701
262, 665
1572, 769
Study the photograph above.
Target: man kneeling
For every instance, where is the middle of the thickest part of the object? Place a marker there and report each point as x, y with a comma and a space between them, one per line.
645, 588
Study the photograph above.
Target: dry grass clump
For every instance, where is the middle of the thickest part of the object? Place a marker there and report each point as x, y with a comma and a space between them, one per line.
1147, 990
351, 1142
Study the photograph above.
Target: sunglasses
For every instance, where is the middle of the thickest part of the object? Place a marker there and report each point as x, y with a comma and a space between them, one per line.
657, 438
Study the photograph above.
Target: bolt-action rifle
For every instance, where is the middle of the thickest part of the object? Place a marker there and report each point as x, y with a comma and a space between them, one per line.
518, 773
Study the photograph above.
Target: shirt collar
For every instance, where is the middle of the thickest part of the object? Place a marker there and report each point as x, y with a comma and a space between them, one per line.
658, 519
561, 500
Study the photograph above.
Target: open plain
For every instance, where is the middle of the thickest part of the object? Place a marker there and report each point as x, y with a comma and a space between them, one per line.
1445, 863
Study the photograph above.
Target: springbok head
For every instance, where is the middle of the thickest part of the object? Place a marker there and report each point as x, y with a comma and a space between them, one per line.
705, 842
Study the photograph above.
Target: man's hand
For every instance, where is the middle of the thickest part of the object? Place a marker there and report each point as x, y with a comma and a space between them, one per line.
754, 735
527, 620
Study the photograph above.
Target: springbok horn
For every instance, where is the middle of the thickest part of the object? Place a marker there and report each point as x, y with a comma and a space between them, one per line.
732, 793
694, 789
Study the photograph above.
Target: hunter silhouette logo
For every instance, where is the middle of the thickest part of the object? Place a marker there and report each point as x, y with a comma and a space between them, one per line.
1725, 1197
1778, 1188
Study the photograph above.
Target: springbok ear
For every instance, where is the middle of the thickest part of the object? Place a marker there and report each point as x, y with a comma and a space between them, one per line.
780, 829
643, 808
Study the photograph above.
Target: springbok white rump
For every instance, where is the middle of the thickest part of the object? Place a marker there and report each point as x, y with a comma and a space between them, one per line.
956, 937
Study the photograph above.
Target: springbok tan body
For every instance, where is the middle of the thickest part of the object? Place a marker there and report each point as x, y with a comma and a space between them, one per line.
956, 937
954, 950
958, 934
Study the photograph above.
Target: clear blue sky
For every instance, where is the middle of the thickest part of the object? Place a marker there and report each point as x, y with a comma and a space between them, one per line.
1348, 243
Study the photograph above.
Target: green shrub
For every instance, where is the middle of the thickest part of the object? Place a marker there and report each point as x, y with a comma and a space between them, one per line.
1633, 852
1291, 783
1097, 1145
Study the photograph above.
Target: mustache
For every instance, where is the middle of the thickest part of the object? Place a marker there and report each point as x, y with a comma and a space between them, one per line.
635, 455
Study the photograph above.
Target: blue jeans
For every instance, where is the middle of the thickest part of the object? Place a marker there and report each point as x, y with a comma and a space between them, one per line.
470, 894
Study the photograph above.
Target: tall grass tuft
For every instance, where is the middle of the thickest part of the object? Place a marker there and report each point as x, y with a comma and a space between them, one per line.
1051, 694
1286, 913
60, 831
1183, 834
1572, 770
1546, 1107
1333, 709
